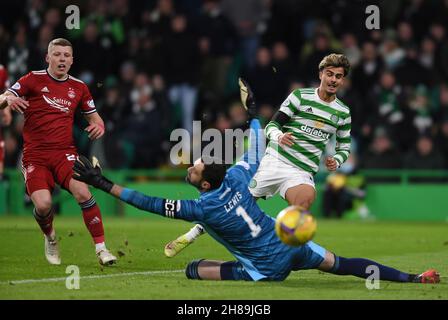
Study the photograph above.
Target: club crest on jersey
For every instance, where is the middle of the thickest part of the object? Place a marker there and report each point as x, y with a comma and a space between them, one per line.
253, 183
319, 124
30, 168
334, 118
16, 86
71, 93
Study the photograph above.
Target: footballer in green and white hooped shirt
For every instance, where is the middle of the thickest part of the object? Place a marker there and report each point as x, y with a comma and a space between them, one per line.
298, 134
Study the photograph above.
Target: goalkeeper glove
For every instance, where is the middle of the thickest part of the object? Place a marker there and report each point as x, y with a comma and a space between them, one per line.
90, 173
247, 98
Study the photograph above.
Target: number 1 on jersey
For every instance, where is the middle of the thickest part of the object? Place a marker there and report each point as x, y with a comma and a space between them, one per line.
255, 229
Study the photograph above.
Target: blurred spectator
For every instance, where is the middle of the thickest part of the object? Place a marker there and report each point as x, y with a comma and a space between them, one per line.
142, 150
350, 49
321, 46
18, 54
388, 99
427, 59
90, 54
421, 114
265, 113
392, 53
262, 78
284, 69
181, 54
249, 18
237, 115
39, 50
424, 156
158, 21
405, 35
217, 44
367, 73
438, 33
381, 154
127, 74
410, 72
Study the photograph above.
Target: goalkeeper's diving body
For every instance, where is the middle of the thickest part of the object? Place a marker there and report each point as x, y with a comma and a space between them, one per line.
230, 214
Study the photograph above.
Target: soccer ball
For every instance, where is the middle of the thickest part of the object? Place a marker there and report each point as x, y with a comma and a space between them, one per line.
295, 226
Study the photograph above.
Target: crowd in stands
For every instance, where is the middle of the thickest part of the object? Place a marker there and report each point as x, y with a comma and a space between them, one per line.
154, 66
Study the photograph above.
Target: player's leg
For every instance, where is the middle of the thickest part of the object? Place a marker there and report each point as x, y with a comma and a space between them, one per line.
216, 270
92, 218
63, 170
362, 268
172, 248
301, 195
39, 184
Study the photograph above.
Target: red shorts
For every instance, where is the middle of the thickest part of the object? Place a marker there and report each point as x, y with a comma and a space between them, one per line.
43, 170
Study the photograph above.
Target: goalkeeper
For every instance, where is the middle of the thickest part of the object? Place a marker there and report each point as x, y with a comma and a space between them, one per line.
230, 214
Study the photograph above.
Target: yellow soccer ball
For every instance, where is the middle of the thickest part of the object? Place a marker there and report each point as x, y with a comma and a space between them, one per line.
295, 226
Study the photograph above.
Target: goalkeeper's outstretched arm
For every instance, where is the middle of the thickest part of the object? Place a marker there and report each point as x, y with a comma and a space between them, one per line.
90, 173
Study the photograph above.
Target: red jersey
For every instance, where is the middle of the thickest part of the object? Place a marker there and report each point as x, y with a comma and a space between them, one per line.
52, 105
4, 83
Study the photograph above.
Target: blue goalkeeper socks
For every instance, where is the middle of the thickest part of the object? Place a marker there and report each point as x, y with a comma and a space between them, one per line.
358, 267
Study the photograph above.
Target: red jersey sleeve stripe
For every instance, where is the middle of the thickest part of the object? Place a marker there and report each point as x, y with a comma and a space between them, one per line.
88, 112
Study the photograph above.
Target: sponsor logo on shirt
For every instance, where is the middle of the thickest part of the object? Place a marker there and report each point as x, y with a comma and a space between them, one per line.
45, 89
315, 132
58, 103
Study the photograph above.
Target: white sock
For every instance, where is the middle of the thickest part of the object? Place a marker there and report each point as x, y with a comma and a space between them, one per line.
52, 235
100, 246
194, 232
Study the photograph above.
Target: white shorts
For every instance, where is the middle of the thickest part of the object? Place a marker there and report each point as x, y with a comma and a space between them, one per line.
276, 176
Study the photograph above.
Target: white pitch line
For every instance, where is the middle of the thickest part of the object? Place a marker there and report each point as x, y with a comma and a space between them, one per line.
142, 273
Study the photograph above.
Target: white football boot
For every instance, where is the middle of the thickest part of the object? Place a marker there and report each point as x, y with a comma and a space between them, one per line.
52, 250
105, 257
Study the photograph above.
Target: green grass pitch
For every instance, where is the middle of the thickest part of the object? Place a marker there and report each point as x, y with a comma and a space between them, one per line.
143, 272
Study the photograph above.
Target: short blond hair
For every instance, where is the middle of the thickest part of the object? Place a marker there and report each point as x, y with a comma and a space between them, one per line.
335, 60
60, 42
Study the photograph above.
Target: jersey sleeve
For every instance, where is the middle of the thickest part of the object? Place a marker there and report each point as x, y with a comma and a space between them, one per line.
250, 161
343, 141
289, 107
188, 210
87, 103
22, 87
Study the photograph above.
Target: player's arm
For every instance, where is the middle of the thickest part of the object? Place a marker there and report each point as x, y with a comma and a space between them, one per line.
273, 130
6, 116
343, 144
13, 101
96, 125
90, 173
251, 159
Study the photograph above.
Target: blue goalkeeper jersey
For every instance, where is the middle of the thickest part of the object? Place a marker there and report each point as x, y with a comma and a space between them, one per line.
231, 215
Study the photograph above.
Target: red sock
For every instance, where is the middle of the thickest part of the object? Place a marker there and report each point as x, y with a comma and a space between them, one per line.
45, 222
92, 218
